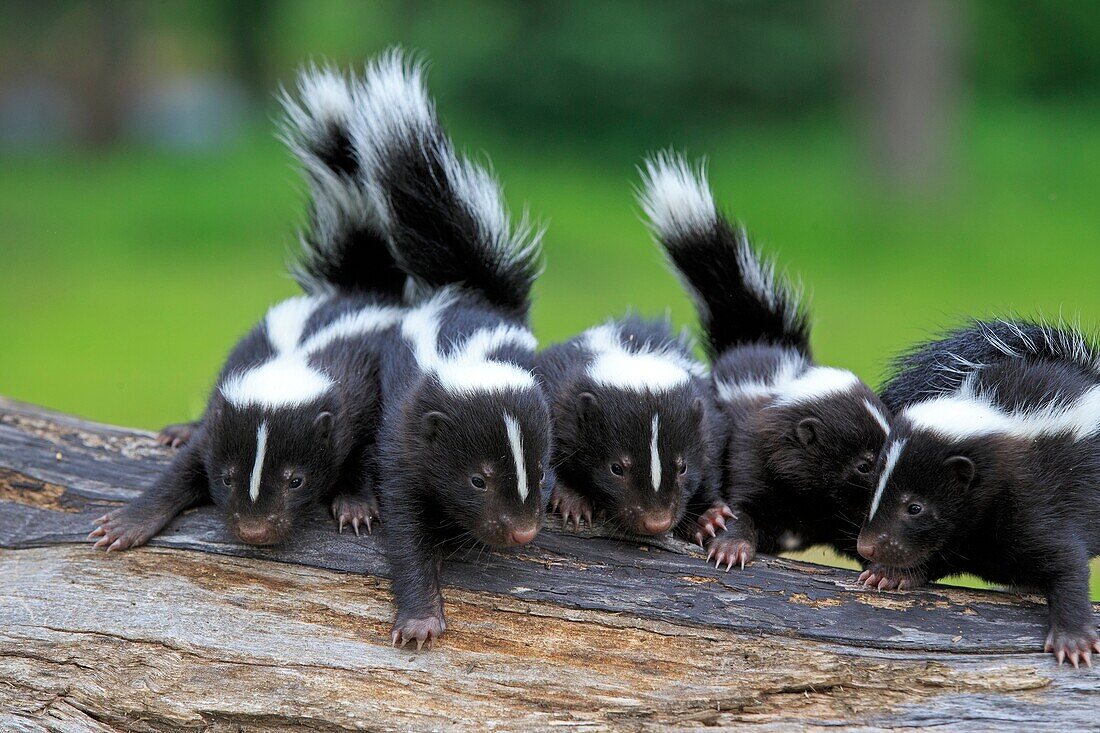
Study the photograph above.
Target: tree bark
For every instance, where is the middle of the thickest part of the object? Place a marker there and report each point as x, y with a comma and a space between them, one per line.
577, 633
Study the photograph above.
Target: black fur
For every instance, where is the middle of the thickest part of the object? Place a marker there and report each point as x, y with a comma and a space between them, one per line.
1014, 510
795, 473
451, 479
439, 230
603, 433
322, 449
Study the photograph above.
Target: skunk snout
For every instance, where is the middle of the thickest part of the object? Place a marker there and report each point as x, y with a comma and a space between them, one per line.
523, 535
258, 531
656, 523
887, 549
865, 547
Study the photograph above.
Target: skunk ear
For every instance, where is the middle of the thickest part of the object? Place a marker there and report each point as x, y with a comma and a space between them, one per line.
435, 423
962, 468
587, 406
808, 430
323, 425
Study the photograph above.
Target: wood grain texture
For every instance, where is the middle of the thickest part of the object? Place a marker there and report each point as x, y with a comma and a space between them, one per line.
576, 633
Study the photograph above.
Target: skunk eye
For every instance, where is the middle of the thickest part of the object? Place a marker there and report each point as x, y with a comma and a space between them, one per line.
915, 509
683, 467
616, 469
864, 467
227, 481
542, 477
296, 482
478, 482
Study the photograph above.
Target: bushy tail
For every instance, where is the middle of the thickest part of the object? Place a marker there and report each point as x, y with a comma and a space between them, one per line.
943, 365
739, 296
445, 216
344, 247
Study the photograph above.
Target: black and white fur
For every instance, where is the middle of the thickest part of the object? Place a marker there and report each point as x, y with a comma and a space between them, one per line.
466, 432
292, 418
631, 428
993, 468
798, 442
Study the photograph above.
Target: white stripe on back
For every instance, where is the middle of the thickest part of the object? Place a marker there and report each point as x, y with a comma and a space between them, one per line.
258, 466
287, 379
892, 455
652, 368
968, 414
515, 440
469, 368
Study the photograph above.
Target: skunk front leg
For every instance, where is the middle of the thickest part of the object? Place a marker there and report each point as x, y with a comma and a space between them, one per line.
178, 434
182, 485
359, 505
736, 544
1072, 630
415, 564
706, 515
571, 505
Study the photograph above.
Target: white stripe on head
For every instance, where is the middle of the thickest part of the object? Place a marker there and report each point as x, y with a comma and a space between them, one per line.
654, 454
258, 466
878, 416
968, 414
892, 455
676, 199
515, 440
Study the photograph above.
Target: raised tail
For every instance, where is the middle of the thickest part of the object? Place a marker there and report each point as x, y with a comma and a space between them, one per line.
343, 245
739, 296
445, 216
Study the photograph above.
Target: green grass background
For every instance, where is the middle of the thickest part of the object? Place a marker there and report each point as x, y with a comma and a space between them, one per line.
126, 276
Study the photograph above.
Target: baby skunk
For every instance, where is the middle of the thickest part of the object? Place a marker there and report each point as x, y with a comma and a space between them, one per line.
798, 442
466, 431
292, 418
993, 468
631, 429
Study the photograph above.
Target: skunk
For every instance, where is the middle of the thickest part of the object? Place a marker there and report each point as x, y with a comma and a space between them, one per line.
293, 415
629, 404
465, 438
798, 443
993, 468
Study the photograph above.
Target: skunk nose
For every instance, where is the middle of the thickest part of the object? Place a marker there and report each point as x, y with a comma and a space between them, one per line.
256, 532
523, 535
866, 548
656, 524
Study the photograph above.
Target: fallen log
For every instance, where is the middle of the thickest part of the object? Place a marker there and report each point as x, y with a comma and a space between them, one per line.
576, 633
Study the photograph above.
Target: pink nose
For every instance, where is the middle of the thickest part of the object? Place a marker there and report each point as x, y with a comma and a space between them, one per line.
524, 535
256, 533
657, 524
865, 548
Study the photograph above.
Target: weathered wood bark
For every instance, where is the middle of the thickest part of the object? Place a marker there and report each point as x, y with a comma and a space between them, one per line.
578, 633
